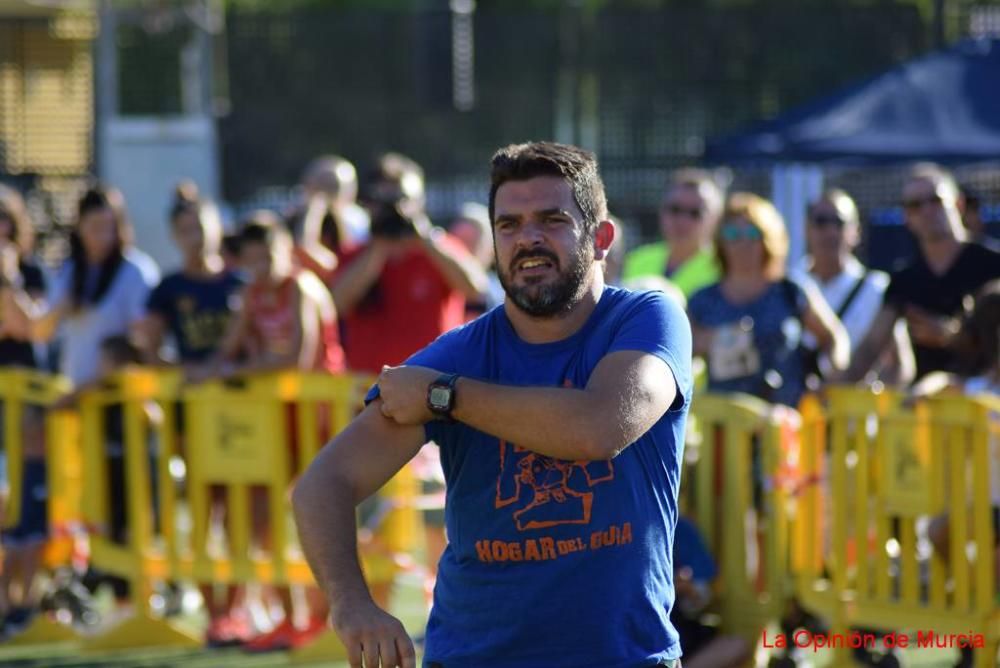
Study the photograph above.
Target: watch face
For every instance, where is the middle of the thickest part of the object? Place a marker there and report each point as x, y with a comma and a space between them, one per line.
440, 396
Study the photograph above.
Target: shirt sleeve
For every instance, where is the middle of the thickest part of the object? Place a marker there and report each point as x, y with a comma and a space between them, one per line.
159, 300
136, 296
62, 285
657, 325
697, 305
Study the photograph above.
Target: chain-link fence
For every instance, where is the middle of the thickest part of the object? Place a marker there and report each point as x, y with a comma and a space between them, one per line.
643, 87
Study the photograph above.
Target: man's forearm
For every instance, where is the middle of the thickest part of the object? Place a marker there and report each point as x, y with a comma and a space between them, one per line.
463, 275
356, 281
558, 422
862, 361
327, 526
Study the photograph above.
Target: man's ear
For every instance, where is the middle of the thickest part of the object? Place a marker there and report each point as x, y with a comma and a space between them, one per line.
604, 237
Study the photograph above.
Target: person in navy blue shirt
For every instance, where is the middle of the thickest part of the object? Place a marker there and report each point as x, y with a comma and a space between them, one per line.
196, 303
560, 416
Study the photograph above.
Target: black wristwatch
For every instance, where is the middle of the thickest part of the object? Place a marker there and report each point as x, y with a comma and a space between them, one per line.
441, 395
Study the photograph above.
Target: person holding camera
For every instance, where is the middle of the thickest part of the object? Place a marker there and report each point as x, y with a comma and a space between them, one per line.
408, 284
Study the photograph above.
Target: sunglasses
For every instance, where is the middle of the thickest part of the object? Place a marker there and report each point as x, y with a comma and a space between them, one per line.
917, 202
740, 233
823, 220
678, 210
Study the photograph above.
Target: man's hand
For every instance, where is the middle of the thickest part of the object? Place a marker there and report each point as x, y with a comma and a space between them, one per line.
404, 393
372, 635
930, 330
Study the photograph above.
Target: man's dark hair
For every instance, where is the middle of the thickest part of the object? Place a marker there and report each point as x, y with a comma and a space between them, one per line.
520, 162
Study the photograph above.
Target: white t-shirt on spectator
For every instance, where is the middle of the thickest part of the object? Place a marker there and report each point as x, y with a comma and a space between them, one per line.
986, 385
83, 331
863, 308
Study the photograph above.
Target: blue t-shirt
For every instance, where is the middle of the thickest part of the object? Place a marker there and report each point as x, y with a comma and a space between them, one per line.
197, 311
758, 346
550, 562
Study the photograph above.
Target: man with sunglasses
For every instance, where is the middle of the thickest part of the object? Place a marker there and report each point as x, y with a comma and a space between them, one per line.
853, 291
689, 214
930, 290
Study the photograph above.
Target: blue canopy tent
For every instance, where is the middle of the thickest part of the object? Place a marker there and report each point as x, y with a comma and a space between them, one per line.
944, 106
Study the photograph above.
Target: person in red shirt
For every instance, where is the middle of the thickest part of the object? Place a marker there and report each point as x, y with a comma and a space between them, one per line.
408, 284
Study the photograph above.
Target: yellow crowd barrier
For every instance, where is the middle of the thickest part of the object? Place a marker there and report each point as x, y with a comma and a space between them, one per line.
22, 390
25, 396
737, 487
244, 440
891, 469
828, 506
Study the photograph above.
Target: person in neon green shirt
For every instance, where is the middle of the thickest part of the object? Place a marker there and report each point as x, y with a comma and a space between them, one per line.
689, 215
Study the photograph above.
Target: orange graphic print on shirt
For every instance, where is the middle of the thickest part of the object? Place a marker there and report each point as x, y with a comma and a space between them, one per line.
544, 491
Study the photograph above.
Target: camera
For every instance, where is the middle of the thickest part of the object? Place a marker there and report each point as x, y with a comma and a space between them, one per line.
388, 222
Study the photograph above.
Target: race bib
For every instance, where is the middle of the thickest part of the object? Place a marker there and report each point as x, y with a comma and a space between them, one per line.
733, 354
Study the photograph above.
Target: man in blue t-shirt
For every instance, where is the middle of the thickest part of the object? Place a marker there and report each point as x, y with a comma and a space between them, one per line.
560, 417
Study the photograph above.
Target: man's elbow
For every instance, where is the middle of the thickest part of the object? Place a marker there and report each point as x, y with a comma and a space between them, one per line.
302, 493
601, 444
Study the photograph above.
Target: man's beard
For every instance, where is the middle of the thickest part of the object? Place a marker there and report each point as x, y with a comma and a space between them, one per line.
543, 300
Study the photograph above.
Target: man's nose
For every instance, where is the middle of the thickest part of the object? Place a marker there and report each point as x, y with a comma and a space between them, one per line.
531, 235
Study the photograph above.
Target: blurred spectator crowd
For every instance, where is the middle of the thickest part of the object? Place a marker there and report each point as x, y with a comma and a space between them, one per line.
354, 276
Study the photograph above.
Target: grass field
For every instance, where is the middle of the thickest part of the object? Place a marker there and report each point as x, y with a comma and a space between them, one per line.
408, 605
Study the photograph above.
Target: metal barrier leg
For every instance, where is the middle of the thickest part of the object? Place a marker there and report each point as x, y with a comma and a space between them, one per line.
142, 630
62, 484
44, 631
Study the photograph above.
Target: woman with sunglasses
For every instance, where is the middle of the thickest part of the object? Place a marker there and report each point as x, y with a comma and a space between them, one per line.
749, 325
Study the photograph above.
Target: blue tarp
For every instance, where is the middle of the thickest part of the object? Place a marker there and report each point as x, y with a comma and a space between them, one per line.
944, 107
